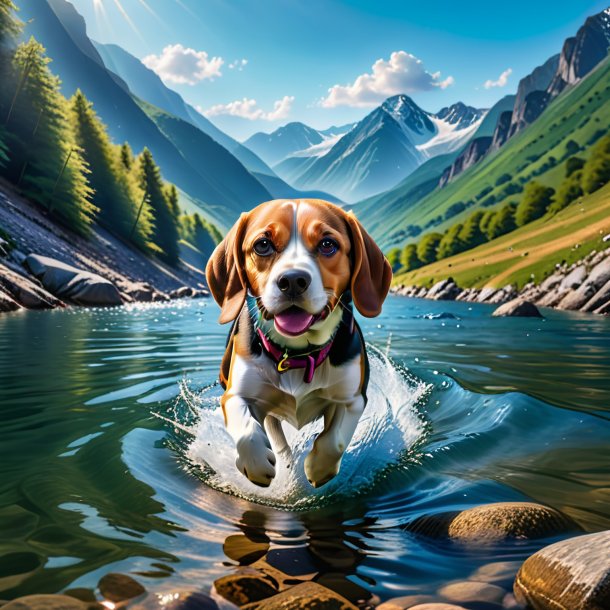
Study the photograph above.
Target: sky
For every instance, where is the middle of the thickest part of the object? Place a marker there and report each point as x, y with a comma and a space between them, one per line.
254, 65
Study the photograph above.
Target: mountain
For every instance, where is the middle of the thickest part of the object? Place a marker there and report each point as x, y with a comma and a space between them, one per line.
145, 84
382, 149
583, 52
281, 143
57, 25
573, 120
387, 209
578, 57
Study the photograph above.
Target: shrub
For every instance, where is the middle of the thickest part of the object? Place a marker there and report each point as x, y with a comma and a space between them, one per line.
536, 199
427, 247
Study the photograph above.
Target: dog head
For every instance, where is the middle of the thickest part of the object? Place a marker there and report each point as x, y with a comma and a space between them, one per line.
297, 258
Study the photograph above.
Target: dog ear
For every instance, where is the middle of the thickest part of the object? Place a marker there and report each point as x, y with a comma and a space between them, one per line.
371, 273
225, 272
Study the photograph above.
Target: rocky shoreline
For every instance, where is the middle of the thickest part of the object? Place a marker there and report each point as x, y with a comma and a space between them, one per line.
43, 265
582, 286
571, 574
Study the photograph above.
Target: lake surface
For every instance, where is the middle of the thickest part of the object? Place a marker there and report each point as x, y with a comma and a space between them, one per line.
113, 456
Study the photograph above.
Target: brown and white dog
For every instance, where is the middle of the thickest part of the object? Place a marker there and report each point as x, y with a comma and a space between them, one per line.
286, 274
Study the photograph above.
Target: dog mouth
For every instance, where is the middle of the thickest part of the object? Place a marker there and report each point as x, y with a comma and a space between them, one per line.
295, 321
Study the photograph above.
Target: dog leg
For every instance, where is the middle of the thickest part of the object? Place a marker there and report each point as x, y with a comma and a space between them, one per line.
255, 458
273, 427
324, 460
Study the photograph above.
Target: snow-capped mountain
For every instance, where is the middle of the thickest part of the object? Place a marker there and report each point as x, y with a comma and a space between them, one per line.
380, 150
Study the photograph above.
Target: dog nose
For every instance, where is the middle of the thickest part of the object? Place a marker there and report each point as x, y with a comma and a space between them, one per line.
294, 282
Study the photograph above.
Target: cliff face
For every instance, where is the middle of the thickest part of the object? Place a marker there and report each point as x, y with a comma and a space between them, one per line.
583, 52
475, 150
502, 130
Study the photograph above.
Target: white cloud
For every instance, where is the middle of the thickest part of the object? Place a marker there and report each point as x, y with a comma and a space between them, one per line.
501, 82
401, 73
248, 109
238, 64
179, 64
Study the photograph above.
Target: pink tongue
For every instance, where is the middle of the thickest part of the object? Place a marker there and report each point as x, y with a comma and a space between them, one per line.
293, 321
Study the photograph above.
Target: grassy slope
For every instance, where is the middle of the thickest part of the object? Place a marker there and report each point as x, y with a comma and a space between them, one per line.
529, 253
577, 114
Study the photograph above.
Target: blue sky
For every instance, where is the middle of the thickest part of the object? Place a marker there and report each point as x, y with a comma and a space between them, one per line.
252, 65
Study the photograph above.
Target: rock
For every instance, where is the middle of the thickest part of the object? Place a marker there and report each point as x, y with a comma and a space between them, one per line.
445, 290
246, 585
502, 520
604, 309
306, 596
25, 291
508, 293
181, 293
471, 591
574, 279
517, 307
572, 574
160, 297
119, 587
552, 281
485, 294
598, 277
7, 303
498, 573
46, 602
73, 284
599, 299
406, 602
139, 291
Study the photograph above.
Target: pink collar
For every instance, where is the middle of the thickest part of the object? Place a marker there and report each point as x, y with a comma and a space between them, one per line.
310, 362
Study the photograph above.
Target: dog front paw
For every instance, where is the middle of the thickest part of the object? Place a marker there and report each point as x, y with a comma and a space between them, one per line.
321, 467
255, 459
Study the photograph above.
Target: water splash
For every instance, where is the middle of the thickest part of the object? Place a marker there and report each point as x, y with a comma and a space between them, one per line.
388, 431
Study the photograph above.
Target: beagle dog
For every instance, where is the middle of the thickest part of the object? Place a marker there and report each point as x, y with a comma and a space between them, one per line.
286, 275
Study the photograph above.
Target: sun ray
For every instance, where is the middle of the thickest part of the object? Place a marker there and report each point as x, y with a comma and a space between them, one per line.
128, 19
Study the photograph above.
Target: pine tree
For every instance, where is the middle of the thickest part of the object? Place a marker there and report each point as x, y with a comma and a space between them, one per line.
165, 234
9, 25
45, 159
171, 193
126, 155
118, 209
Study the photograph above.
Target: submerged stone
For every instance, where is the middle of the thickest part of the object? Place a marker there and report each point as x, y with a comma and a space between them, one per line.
306, 596
119, 587
572, 574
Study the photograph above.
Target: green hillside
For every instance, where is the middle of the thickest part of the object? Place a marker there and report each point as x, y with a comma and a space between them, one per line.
577, 118
529, 253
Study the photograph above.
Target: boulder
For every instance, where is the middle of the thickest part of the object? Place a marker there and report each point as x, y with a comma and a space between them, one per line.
246, 585
119, 587
48, 602
243, 550
485, 294
599, 299
503, 295
7, 303
572, 574
573, 279
500, 573
25, 291
306, 596
471, 591
517, 308
138, 291
598, 277
502, 520
73, 284
445, 290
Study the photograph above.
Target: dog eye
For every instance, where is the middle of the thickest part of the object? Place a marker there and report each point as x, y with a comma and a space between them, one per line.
264, 247
328, 246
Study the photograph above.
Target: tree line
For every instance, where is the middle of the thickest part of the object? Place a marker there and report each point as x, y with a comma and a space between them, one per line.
581, 177
59, 153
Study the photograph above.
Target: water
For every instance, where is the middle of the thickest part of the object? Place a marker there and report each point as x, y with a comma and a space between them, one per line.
113, 456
